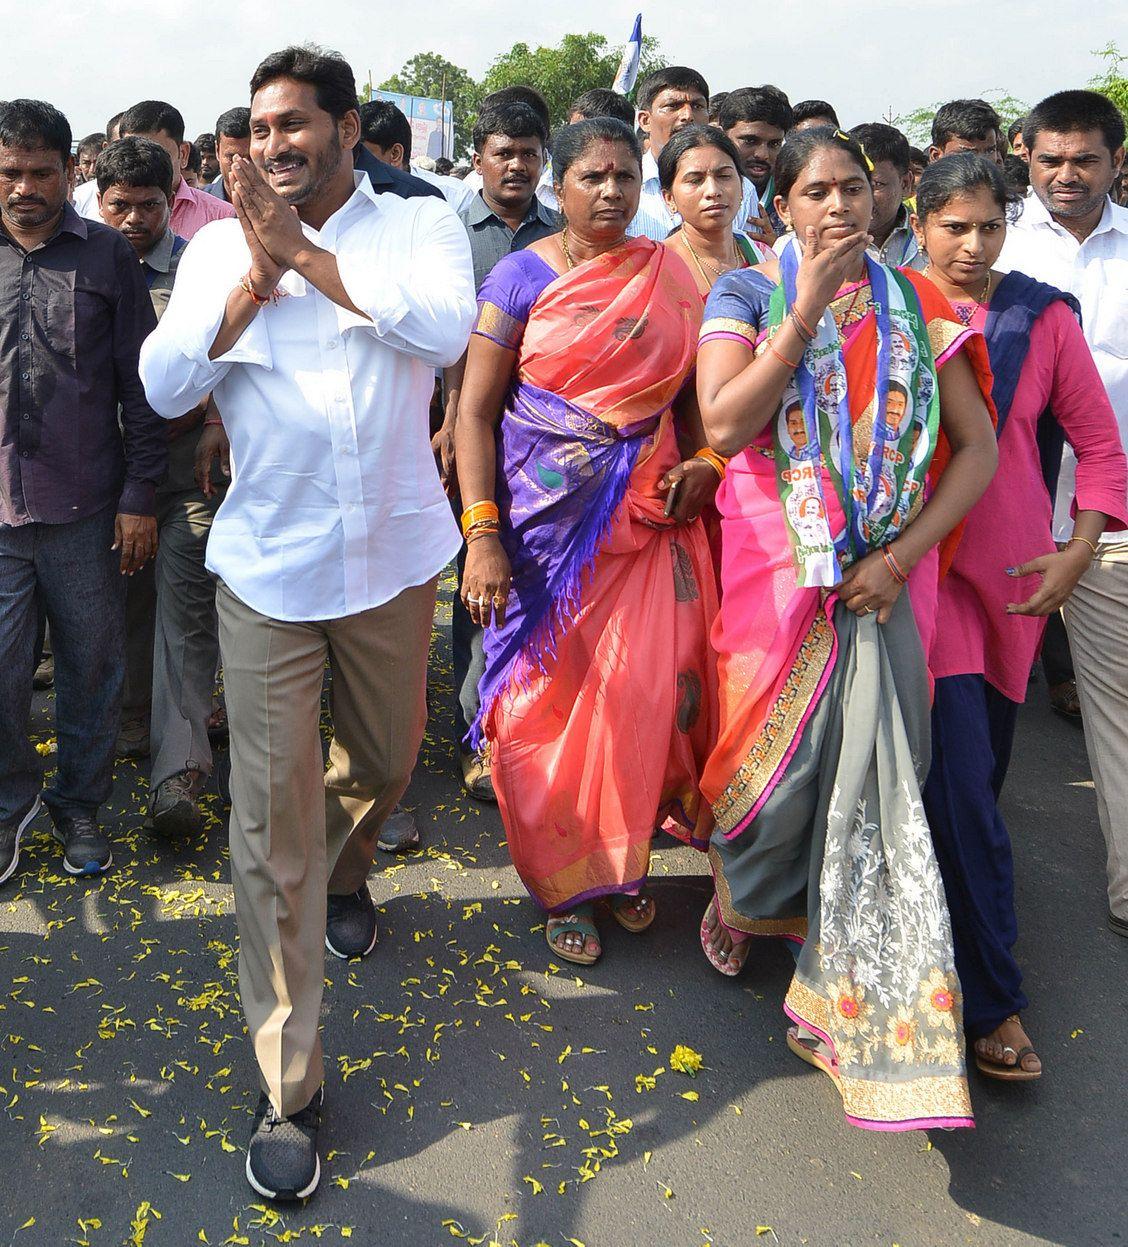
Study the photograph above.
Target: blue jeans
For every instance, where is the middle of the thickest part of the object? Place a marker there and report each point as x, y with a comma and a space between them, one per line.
70, 570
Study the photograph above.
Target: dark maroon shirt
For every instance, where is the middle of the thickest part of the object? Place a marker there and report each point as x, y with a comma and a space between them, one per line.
76, 434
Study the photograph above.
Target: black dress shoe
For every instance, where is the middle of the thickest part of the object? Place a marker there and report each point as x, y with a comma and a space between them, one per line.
1119, 925
282, 1160
350, 925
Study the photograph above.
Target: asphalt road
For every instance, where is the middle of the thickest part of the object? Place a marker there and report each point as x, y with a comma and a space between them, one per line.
479, 1092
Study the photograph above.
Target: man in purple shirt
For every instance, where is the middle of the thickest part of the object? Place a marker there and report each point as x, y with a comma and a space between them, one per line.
81, 455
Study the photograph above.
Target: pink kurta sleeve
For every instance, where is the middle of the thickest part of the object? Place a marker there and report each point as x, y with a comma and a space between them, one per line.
1081, 406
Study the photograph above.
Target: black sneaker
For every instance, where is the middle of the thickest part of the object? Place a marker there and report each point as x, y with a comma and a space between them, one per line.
282, 1160
86, 851
173, 810
350, 926
11, 833
400, 832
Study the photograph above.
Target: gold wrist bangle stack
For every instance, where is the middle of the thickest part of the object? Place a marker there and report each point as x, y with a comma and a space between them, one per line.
1090, 544
480, 519
717, 462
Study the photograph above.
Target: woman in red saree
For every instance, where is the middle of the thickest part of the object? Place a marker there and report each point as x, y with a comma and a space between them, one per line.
841, 388
586, 549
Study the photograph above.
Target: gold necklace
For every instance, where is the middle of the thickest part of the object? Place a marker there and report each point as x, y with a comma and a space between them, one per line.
720, 272
986, 292
564, 247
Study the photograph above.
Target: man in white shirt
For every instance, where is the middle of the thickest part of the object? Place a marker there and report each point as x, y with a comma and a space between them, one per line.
668, 100
319, 334
1073, 236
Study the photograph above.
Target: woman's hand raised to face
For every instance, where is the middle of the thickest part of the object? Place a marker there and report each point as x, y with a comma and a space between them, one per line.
823, 271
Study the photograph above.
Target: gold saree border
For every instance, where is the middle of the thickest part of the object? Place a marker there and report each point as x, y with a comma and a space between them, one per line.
784, 720
796, 927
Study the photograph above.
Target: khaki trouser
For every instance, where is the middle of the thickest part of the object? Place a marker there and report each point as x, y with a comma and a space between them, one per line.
1097, 618
292, 823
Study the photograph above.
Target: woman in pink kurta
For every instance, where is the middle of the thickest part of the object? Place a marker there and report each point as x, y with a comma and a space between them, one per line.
1005, 578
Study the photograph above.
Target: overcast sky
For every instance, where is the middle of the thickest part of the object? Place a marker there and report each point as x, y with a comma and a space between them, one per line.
94, 57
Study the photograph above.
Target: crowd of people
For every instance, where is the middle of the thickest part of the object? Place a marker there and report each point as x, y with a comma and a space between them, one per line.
765, 451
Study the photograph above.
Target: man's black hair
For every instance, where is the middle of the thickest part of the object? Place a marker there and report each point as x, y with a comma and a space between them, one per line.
672, 78
521, 94
971, 120
603, 102
686, 140
233, 124
1066, 112
514, 120
34, 124
195, 160
1015, 128
91, 143
134, 161
1016, 174
329, 74
805, 110
767, 104
382, 123
882, 142
205, 142
113, 123
917, 157
715, 102
150, 116
443, 166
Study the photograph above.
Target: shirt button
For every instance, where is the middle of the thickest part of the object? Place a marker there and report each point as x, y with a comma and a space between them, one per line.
25, 454
25, 337
333, 343
26, 376
26, 416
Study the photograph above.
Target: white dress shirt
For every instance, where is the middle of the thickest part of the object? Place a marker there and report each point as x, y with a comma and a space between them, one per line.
1096, 272
455, 191
654, 220
335, 505
86, 201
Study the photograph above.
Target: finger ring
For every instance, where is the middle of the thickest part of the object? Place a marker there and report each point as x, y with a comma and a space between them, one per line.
474, 601
867, 610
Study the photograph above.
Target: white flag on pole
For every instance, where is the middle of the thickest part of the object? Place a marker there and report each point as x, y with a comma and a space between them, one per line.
628, 66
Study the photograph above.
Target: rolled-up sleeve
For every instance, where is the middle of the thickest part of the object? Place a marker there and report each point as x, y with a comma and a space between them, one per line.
143, 438
175, 368
421, 300
1081, 406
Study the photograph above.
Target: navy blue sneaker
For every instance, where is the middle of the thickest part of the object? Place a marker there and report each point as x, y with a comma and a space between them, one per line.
282, 1160
86, 851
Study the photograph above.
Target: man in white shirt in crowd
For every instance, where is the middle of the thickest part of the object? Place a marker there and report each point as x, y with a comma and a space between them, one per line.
319, 333
668, 100
85, 197
1073, 236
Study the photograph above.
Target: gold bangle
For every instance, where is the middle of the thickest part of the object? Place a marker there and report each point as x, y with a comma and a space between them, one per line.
1086, 541
782, 358
715, 461
478, 511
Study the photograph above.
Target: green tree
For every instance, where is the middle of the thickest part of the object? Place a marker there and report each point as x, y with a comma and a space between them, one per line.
562, 73
917, 125
432, 75
1112, 80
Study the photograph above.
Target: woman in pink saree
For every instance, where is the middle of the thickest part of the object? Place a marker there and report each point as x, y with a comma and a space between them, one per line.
598, 699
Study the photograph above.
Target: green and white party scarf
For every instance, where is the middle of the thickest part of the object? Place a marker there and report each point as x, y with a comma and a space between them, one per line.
876, 497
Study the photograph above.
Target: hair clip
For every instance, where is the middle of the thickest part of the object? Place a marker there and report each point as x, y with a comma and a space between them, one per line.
846, 138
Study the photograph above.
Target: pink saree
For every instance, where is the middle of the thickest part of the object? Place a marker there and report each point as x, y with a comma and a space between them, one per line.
599, 700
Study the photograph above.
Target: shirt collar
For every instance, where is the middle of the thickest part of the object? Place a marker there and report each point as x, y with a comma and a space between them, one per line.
159, 259
479, 212
184, 192
649, 167
69, 223
1035, 213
